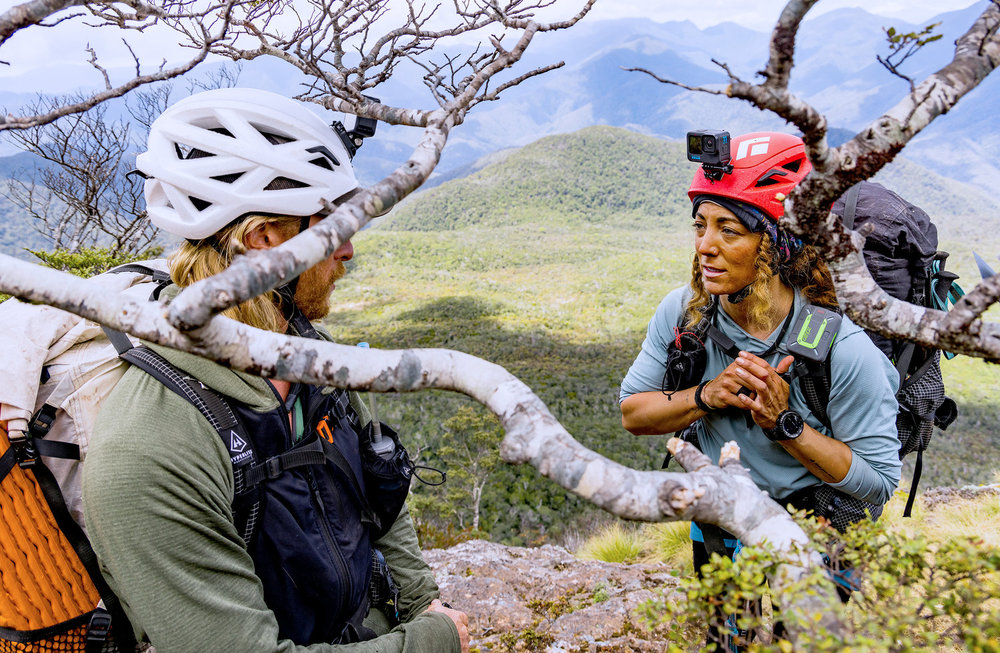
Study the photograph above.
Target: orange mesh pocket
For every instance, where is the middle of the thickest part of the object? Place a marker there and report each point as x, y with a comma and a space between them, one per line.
42, 581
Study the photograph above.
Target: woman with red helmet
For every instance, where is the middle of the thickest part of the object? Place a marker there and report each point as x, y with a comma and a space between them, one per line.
750, 279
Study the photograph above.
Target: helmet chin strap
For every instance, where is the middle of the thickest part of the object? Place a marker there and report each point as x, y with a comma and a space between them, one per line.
739, 296
297, 322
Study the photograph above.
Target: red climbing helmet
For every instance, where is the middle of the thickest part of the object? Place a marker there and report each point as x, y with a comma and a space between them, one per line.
764, 164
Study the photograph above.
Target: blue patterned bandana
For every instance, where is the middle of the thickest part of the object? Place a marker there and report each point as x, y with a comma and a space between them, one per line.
785, 244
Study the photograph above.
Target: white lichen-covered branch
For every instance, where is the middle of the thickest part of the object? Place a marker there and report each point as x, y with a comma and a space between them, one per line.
253, 275
202, 24
723, 495
977, 54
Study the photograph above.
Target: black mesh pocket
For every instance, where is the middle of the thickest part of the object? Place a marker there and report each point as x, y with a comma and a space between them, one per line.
686, 361
842, 509
919, 400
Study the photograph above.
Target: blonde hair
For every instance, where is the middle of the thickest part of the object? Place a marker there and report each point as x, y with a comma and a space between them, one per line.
806, 271
193, 262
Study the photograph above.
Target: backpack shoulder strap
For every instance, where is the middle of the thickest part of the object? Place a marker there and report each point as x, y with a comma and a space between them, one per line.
160, 277
814, 382
219, 414
851, 205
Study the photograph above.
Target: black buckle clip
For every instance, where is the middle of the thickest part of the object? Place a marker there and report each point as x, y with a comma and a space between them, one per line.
274, 467
99, 626
42, 421
25, 452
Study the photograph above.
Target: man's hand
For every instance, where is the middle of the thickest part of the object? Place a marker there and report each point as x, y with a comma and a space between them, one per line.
460, 619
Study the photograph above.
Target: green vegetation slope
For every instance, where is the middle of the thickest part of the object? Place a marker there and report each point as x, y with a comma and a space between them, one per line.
600, 175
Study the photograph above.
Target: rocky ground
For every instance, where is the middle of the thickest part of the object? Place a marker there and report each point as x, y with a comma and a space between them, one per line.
938, 496
545, 599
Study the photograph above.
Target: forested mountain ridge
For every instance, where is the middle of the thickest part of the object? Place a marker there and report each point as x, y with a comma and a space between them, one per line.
614, 176
597, 175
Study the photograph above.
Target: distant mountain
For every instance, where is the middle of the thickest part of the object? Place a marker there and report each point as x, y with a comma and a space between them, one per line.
597, 174
836, 71
618, 177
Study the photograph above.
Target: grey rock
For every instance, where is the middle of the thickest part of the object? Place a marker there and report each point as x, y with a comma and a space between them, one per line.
545, 599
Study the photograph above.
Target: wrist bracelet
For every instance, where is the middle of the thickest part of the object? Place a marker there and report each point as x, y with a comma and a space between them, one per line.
698, 401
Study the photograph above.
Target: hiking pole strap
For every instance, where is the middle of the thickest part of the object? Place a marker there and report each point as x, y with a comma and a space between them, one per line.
918, 467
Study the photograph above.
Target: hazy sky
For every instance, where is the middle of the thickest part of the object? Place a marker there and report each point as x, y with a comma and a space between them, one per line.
34, 47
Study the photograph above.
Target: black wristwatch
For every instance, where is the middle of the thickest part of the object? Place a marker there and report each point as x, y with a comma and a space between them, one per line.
788, 426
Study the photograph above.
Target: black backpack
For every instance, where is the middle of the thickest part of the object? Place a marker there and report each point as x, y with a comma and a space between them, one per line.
902, 256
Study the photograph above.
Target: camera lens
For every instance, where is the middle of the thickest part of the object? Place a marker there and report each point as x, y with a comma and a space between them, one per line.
708, 143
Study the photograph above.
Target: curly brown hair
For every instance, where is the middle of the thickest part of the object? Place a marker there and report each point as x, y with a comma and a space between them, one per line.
806, 271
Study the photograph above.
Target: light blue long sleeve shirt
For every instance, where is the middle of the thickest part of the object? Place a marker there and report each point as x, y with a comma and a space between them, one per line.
862, 408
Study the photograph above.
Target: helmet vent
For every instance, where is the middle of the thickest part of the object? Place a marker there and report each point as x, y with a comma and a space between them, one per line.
322, 162
201, 205
771, 178
228, 179
284, 183
190, 152
793, 166
273, 138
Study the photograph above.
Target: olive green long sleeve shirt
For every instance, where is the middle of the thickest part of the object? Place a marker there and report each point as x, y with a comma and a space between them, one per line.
158, 491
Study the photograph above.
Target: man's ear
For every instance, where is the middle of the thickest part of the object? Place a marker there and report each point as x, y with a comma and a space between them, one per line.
264, 236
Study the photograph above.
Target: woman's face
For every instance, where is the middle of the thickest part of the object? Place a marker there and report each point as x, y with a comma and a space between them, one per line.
726, 250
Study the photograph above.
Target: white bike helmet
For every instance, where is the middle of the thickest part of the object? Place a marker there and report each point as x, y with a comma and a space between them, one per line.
218, 155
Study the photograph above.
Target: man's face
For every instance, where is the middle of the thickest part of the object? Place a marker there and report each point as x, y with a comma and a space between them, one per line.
312, 294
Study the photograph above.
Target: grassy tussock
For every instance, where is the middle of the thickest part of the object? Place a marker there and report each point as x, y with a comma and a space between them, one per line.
669, 543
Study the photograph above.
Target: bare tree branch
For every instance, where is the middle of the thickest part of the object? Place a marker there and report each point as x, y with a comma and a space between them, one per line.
31, 13
248, 277
723, 495
970, 307
185, 16
700, 89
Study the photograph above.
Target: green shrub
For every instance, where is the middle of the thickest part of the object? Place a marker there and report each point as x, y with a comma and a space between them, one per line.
916, 594
92, 260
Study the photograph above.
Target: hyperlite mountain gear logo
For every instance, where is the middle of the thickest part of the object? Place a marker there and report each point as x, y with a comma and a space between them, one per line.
753, 147
238, 448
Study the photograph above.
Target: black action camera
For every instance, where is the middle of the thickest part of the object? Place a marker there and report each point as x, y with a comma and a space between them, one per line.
711, 150
708, 147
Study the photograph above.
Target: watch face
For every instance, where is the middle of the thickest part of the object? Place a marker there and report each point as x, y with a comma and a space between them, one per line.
790, 424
